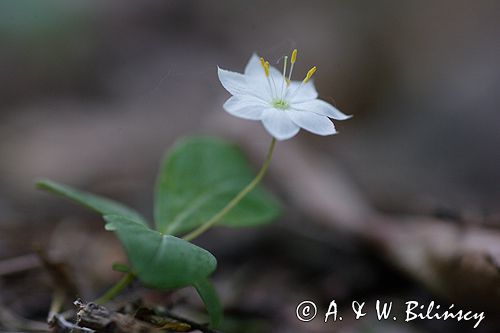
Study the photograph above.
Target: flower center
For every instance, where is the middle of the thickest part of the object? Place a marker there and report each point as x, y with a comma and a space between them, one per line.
280, 104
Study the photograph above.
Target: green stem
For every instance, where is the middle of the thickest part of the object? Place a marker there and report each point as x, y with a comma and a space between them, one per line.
231, 204
129, 277
116, 289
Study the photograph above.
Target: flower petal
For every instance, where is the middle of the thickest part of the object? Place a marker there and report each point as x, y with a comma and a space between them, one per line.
320, 107
312, 122
234, 82
266, 88
257, 84
259, 87
254, 66
278, 124
298, 92
245, 107
276, 75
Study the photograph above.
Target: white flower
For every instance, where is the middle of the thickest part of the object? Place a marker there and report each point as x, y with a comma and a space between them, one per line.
284, 106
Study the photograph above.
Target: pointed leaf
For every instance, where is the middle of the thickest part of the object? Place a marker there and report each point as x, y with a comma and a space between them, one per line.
209, 296
198, 178
99, 204
161, 261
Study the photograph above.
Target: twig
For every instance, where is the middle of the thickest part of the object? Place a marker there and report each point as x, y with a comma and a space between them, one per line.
59, 273
59, 322
62, 282
202, 328
19, 264
57, 304
101, 319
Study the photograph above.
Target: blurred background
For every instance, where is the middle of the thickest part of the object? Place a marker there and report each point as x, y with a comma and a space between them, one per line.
93, 93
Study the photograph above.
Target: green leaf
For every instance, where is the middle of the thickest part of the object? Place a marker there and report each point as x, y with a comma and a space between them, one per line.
209, 296
161, 261
99, 204
198, 178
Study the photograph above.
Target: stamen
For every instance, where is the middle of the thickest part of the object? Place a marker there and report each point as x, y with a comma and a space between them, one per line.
265, 65
272, 79
284, 76
310, 74
307, 78
294, 58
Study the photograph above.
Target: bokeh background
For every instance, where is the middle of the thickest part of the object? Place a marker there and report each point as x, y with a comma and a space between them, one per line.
94, 92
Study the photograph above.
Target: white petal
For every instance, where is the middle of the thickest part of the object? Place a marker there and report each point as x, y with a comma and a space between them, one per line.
304, 93
263, 87
266, 88
277, 76
234, 82
312, 122
278, 124
254, 66
320, 107
257, 82
245, 107
260, 87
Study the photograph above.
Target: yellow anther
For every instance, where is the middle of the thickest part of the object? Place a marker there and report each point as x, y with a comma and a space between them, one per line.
310, 74
294, 56
265, 65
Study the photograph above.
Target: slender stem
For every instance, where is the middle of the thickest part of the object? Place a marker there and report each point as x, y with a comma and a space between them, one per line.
231, 204
116, 289
57, 304
129, 277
